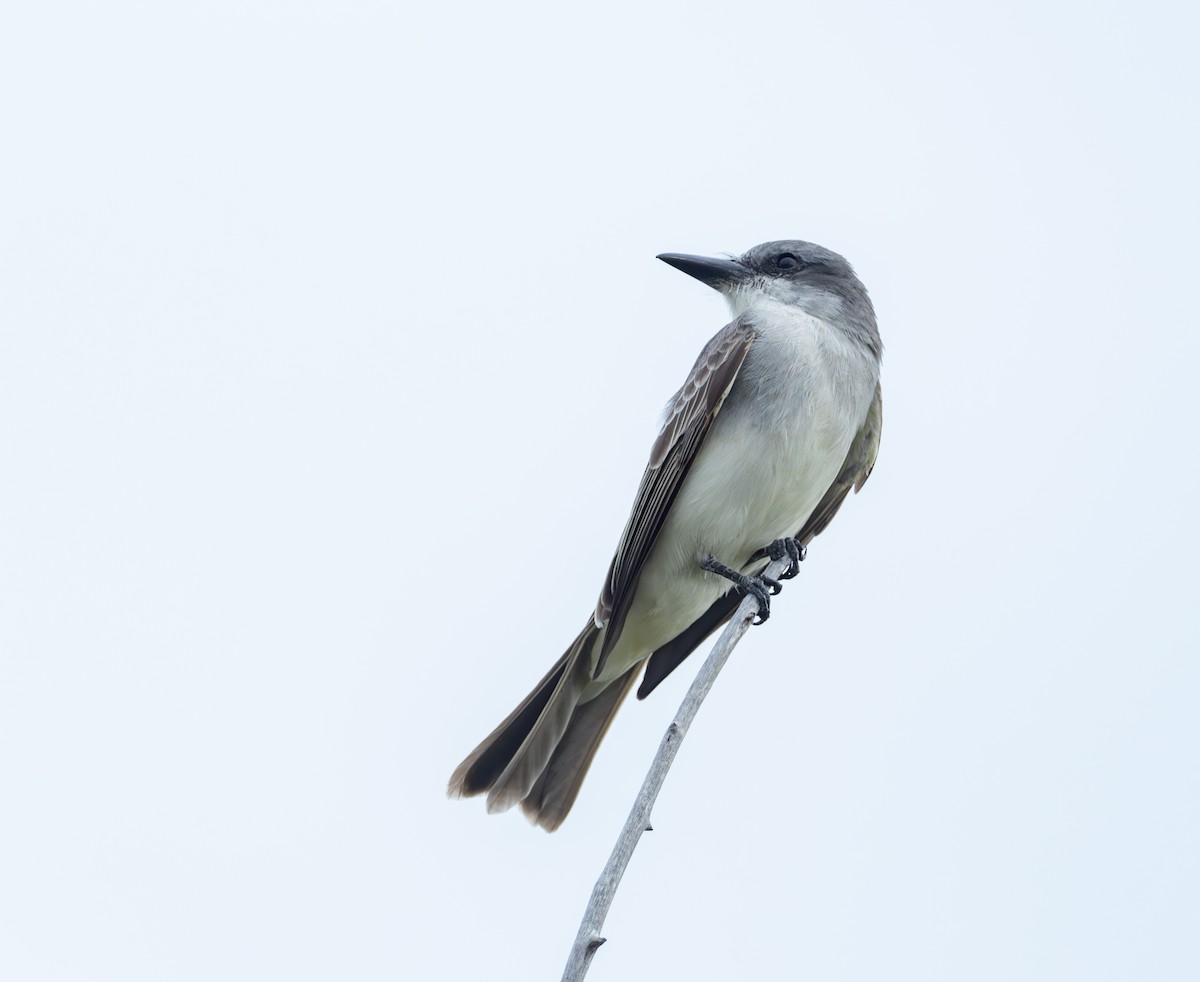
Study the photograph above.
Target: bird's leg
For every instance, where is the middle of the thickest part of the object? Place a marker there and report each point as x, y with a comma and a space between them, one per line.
762, 588
790, 548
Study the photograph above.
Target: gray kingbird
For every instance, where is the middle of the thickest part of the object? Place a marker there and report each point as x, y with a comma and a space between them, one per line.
778, 420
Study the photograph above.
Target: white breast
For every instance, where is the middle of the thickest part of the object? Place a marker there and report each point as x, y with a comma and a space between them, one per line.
779, 440
773, 451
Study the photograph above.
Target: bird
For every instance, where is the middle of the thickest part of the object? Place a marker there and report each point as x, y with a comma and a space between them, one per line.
778, 420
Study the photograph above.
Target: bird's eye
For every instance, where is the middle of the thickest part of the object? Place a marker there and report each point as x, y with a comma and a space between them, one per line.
787, 261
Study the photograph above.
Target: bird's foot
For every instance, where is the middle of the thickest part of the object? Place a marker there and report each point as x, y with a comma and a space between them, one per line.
793, 550
761, 588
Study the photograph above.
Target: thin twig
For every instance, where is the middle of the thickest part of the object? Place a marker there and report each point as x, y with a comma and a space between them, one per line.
588, 939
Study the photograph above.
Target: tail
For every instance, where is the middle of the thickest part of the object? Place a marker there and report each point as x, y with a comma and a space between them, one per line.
539, 755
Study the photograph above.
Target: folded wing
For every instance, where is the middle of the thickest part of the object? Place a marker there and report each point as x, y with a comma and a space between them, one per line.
688, 420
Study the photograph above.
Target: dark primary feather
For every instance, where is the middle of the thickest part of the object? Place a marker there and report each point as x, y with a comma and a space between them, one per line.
539, 755
688, 420
509, 759
487, 761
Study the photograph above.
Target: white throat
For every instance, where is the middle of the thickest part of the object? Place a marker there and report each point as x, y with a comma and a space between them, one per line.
762, 293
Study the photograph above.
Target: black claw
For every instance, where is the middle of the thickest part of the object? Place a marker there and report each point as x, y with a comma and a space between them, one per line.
792, 550
754, 586
761, 588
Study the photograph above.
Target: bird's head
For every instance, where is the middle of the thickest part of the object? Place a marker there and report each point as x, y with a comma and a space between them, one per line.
801, 274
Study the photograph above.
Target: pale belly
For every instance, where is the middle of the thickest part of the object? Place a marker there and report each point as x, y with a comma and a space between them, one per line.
773, 451
752, 484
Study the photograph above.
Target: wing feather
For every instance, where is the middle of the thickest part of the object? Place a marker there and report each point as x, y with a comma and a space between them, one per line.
688, 419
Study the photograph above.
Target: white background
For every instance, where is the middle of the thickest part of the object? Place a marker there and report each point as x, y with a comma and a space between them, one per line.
332, 344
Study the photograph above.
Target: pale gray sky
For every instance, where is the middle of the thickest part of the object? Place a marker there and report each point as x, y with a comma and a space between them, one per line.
332, 345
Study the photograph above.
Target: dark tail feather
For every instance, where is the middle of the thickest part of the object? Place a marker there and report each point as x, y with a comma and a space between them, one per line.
554, 793
509, 762
486, 762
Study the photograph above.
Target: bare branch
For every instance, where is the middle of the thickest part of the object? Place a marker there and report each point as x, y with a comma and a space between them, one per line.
588, 939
